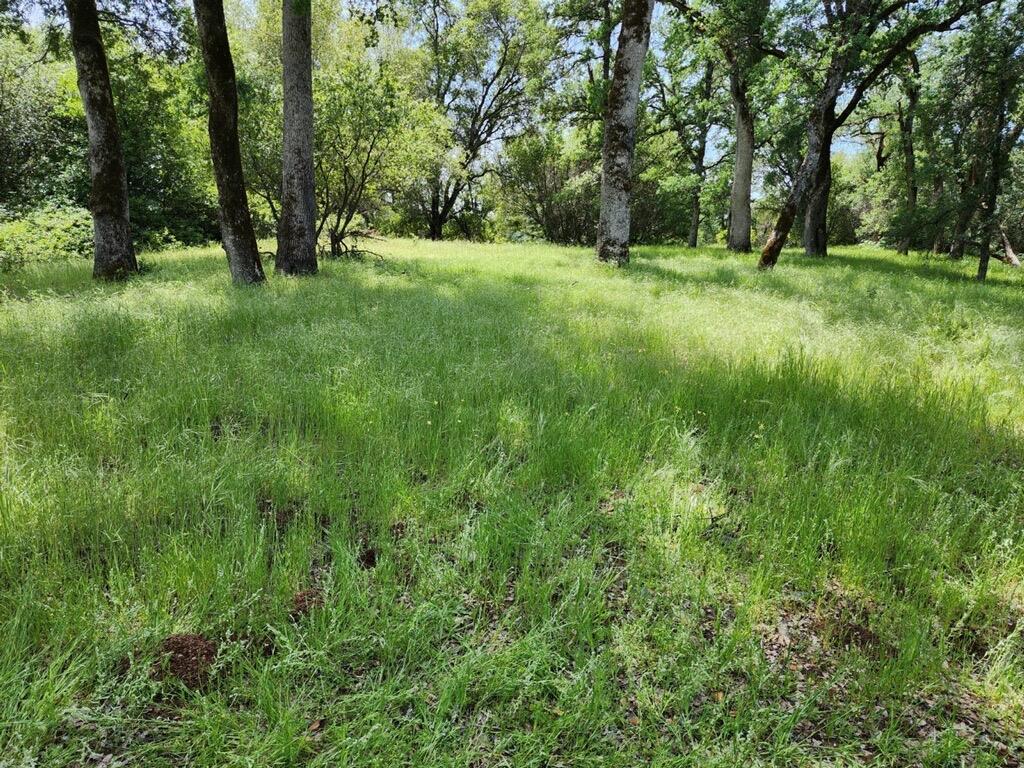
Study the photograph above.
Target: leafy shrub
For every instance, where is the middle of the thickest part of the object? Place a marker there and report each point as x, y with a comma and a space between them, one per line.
54, 233
163, 238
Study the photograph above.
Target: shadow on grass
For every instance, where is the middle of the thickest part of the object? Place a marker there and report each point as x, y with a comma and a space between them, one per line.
491, 417
856, 289
276, 363
922, 265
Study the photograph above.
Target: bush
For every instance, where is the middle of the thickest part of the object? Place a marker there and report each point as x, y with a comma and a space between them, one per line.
54, 233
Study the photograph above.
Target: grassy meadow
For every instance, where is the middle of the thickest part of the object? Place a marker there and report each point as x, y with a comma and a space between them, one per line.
500, 505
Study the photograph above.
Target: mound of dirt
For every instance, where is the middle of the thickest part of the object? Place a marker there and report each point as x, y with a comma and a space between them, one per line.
187, 658
305, 601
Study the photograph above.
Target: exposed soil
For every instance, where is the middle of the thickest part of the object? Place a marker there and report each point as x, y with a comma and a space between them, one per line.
716, 619
808, 643
469, 501
367, 557
282, 515
216, 428
613, 557
187, 658
304, 601
610, 504
262, 643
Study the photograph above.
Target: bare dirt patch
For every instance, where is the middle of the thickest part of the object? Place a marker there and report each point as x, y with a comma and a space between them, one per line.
282, 515
611, 503
187, 658
367, 556
305, 601
810, 642
716, 618
809, 638
615, 564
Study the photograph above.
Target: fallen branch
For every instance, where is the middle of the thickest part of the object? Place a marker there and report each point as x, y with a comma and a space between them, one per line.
339, 247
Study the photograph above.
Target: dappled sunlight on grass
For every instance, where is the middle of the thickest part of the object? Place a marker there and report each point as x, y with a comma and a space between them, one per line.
531, 508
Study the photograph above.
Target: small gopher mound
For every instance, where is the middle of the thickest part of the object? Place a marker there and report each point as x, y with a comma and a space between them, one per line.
305, 601
187, 658
282, 515
367, 557
399, 529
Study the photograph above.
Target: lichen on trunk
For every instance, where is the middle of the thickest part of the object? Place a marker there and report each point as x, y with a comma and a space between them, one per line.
620, 132
743, 168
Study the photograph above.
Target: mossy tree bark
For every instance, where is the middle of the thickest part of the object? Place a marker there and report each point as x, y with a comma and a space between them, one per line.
237, 233
113, 251
296, 235
816, 216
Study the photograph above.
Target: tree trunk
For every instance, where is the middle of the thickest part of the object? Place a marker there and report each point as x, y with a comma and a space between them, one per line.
743, 171
995, 175
939, 235
816, 217
909, 161
694, 233
984, 253
881, 158
966, 208
296, 234
235, 219
113, 251
819, 146
960, 225
1009, 256
821, 127
700, 155
620, 131
442, 204
957, 243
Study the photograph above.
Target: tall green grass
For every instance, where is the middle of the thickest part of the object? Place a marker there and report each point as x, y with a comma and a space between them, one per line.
553, 513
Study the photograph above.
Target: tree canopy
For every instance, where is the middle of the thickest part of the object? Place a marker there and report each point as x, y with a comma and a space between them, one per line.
896, 123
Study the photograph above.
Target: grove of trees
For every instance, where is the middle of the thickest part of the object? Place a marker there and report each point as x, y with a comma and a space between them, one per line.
749, 123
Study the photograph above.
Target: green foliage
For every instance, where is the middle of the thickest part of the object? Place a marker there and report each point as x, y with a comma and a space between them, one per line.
48, 234
550, 188
968, 87
160, 113
372, 136
844, 218
485, 67
1011, 203
42, 140
481, 119
550, 184
260, 126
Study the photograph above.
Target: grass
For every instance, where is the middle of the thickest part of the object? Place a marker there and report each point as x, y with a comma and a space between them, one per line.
501, 505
